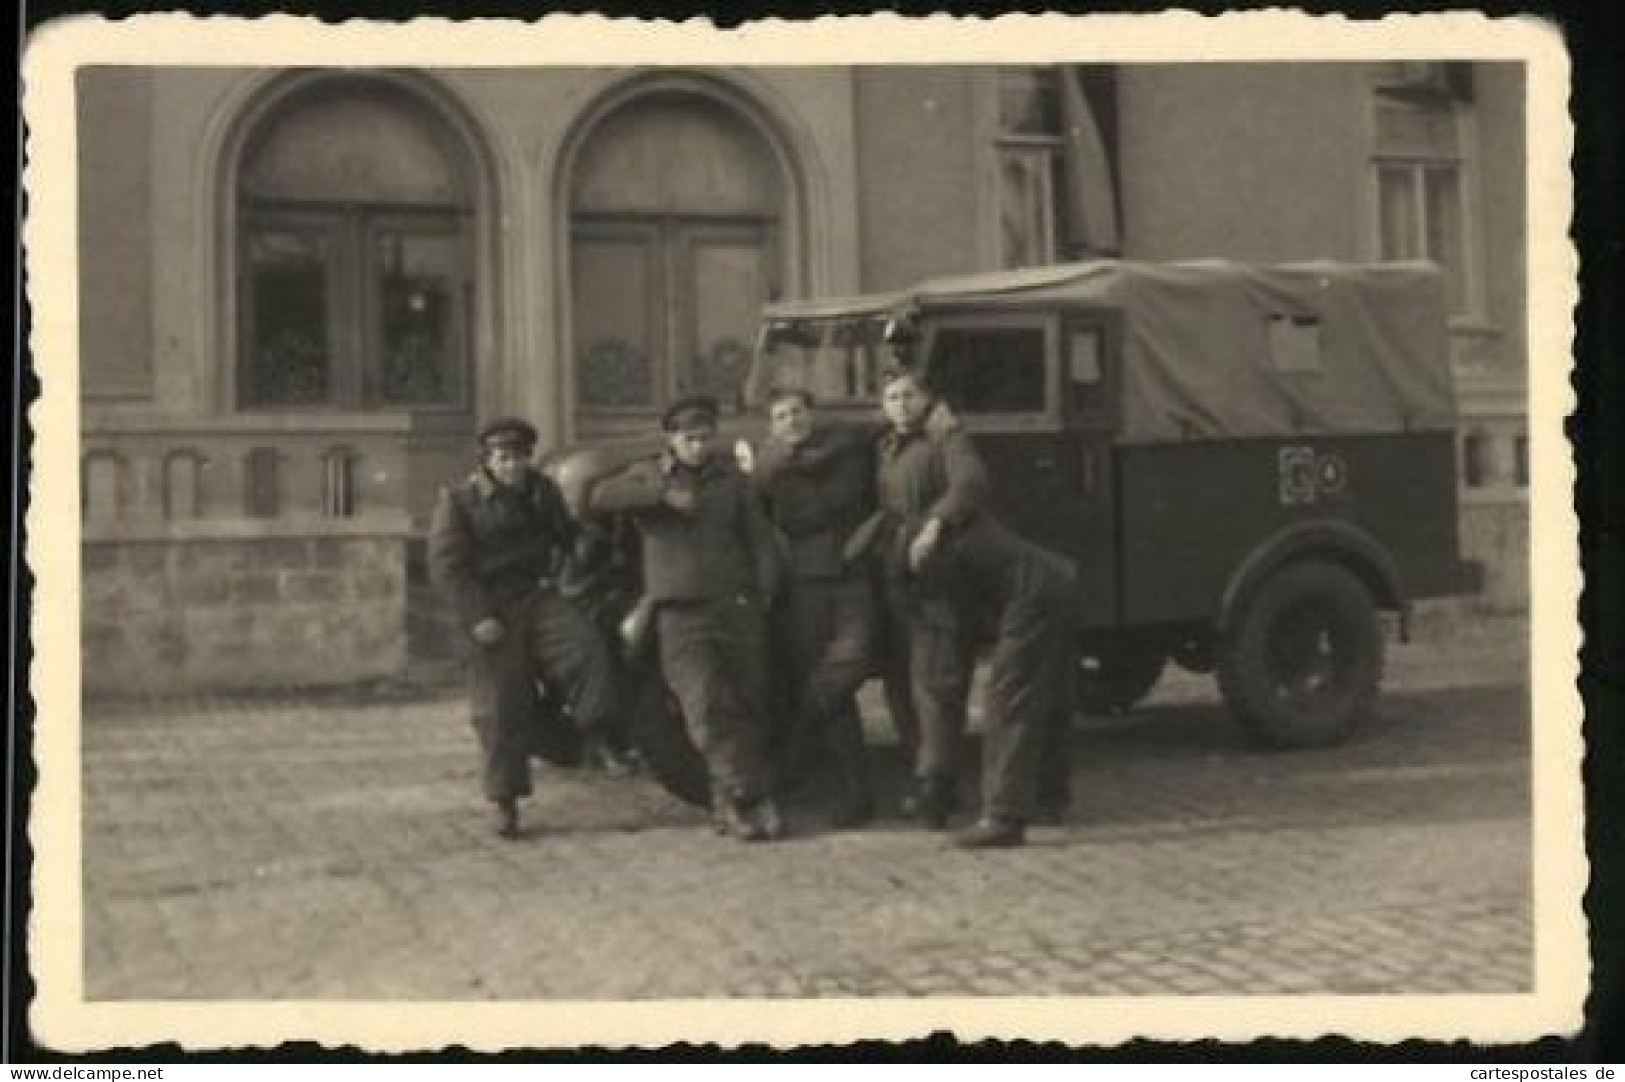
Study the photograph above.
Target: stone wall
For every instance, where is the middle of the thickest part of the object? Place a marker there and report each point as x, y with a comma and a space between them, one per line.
1496, 534
187, 614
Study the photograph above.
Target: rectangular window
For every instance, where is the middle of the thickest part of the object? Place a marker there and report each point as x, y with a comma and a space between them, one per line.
619, 320
1086, 368
840, 360
1031, 185
999, 369
1294, 343
420, 331
1420, 172
288, 323
355, 307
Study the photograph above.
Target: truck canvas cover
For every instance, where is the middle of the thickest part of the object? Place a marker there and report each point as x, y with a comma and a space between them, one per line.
1215, 349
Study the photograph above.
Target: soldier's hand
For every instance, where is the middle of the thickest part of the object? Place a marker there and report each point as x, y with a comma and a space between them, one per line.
682, 500
924, 544
941, 421
488, 632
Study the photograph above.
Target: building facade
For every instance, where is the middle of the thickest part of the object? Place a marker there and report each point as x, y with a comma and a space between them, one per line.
302, 290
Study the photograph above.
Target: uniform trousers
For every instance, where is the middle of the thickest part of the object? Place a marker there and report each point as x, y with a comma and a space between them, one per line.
713, 655
930, 659
544, 637
827, 649
1024, 757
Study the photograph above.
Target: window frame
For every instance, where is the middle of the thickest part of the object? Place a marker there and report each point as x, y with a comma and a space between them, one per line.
1416, 163
355, 297
1108, 325
1048, 145
453, 223
1050, 417
669, 242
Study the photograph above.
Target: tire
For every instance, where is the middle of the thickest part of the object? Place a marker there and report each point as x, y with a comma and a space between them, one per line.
655, 728
1112, 680
1301, 665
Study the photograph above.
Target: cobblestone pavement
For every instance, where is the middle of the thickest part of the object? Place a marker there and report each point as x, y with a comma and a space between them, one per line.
334, 847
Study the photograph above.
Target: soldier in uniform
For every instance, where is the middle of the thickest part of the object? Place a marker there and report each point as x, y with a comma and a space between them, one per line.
1027, 596
709, 569
817, 487
931, 481
498, 543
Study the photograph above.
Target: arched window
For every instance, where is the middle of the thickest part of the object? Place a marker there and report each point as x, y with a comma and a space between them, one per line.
677, 207
354, 273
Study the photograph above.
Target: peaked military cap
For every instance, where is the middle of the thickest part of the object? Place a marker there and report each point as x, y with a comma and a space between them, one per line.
514, 433
692, 412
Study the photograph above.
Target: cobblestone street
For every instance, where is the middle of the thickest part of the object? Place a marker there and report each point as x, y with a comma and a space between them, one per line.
333, 846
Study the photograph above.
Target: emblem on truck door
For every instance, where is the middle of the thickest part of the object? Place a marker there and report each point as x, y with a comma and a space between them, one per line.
1303, 476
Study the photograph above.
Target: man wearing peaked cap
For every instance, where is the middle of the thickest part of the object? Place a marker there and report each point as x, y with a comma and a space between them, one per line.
696, 411
498, 544
709, 568
511, 432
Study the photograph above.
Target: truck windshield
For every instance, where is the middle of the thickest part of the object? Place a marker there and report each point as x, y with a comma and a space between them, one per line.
839, 360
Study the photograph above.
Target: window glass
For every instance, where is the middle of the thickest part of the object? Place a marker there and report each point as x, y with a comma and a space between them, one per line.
1086, 373
1032, 185
290, 352
418, 320
1029, 101
1442, 212
839, 361
1026, 206
990, 369
1397, 212
1420, 171
354, 274
1294, 343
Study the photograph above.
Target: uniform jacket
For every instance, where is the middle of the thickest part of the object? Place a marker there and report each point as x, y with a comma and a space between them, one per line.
490, 545
722, 549
816, 494
992, 567
926, 475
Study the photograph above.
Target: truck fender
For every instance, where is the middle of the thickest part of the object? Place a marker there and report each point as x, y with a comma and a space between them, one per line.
1331, 539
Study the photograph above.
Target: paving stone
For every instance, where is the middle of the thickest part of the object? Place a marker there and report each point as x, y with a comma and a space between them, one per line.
307, 847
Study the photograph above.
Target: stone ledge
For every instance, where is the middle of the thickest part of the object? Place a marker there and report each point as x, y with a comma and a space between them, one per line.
379, 524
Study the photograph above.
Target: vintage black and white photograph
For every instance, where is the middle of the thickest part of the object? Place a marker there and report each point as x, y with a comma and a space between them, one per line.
578, 533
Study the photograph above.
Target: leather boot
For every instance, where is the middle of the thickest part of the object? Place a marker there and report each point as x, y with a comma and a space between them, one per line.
992, 833
735, 818
505, 817
767, 819
932, 803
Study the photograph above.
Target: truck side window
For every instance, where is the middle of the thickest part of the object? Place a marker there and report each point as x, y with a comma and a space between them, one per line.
1085, 367
990, 369
1294, 343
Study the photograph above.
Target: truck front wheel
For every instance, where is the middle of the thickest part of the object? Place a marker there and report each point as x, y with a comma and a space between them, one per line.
1302, 662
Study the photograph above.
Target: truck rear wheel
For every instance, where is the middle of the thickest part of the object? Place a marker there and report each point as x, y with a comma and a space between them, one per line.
655, 727
1111, 680
1302, 663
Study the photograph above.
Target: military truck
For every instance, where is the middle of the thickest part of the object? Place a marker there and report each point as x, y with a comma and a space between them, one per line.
1249, 463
